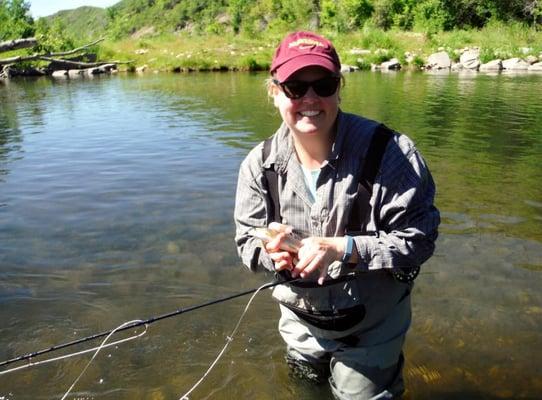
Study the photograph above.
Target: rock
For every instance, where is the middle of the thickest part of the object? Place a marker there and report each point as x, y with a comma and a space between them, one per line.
360, 52
93, 71
392, 64
439, 60
223, 18
60, 74
525, 50
536, 67
75, 73
107, 67
493, 65
145, 31
141, 51
457, 67
142, 68
470, 59
531, 59
515, 64
348, 68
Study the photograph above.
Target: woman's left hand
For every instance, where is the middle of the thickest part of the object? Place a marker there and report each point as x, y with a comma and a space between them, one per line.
317, 253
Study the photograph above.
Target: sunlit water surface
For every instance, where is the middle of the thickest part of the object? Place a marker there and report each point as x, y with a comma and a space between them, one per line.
116, 199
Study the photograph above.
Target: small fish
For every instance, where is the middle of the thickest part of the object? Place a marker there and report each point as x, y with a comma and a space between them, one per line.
290, 242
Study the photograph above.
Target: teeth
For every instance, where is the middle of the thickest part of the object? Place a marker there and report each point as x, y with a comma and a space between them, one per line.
309, 113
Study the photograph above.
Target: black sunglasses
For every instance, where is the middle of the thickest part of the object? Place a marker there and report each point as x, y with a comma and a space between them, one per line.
324, 87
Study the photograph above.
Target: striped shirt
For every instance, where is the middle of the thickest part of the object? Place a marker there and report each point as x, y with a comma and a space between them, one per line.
403, 219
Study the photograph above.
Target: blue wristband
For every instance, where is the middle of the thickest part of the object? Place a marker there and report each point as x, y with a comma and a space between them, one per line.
348, 249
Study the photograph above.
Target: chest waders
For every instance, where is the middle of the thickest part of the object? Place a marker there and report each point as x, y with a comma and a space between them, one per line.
339, 320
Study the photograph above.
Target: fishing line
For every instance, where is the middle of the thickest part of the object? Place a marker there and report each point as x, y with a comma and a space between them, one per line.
48, 360
120, 327
134, 324
229, 339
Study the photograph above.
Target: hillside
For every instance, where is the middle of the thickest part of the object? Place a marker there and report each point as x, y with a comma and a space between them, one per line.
82, 23
277, 16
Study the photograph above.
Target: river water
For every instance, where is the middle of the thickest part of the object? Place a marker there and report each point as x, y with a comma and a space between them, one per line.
116, 202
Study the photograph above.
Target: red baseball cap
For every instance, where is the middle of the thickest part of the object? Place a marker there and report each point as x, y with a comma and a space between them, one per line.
303, 49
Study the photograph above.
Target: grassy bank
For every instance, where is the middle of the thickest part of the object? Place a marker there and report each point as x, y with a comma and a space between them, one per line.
183, 51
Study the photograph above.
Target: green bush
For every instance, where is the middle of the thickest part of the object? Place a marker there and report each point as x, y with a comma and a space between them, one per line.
15, 20
431, 16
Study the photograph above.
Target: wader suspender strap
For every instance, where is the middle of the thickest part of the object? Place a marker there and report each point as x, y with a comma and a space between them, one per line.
359, 215
272, 184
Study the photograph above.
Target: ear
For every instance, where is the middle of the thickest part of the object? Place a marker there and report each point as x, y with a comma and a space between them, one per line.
275, 100
274, 92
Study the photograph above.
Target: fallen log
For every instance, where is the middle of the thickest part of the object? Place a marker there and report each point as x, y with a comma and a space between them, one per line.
16, 44
34, 57
82, 64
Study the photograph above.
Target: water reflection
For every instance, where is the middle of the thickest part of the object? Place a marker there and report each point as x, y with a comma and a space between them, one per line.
116, 200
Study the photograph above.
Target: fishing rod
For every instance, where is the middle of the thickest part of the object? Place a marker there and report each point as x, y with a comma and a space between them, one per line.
142, 322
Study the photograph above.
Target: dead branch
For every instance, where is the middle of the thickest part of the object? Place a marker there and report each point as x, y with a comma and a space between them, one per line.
82, 64
16, 59
17, 44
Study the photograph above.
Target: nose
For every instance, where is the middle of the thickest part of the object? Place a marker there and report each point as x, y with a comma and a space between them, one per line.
310, 95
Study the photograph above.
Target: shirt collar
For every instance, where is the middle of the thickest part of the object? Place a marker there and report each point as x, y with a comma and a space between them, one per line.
282, 147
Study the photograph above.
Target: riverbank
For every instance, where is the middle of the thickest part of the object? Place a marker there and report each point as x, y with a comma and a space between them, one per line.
364, 49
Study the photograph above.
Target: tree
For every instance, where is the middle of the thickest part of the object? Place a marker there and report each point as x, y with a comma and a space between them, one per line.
533, 9
15, 20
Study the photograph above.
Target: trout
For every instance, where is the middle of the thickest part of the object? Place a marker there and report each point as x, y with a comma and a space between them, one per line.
290, 243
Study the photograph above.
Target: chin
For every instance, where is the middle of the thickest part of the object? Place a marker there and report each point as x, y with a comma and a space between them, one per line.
309, 130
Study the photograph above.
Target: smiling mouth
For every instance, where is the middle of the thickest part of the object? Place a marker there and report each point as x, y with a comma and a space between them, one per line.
309, 113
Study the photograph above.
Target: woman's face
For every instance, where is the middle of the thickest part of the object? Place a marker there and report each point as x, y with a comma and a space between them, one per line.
310, 115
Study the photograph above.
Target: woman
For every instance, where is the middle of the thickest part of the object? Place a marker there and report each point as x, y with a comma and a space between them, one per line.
361, 198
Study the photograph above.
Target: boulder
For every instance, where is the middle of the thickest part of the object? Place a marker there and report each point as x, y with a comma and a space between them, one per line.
493, 65
531, 59
515, 64
142, 68
93, 71
470, 59
536, 67
107, 67
439, 60
348, 68
392, 64
76, 73
457, 67
60, 74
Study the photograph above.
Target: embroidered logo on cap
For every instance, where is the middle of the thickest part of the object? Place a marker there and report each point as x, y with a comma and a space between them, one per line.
306, 43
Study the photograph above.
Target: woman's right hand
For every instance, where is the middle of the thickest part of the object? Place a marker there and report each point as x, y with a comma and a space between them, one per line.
284, 260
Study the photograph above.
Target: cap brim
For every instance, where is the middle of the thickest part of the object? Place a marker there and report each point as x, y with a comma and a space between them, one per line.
293, 65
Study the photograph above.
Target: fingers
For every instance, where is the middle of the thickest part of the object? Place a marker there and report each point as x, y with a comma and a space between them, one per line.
283, 260
323, 275
277, 227
275, 244
308, 265
315, 254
